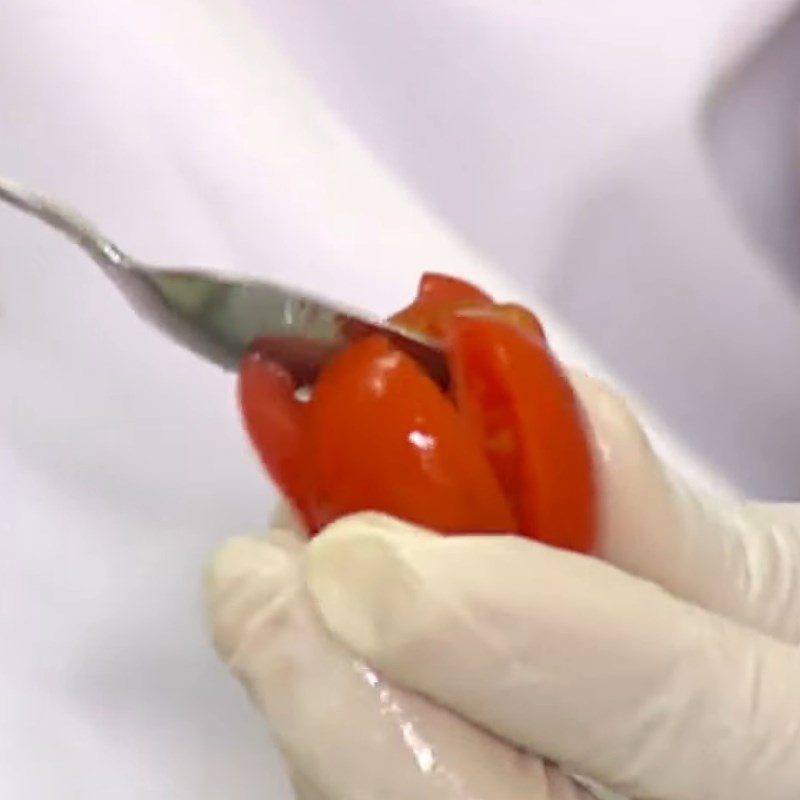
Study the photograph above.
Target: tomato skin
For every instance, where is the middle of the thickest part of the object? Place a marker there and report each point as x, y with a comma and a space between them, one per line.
438, 298
438, 287
518, 403
383, 437
275, 423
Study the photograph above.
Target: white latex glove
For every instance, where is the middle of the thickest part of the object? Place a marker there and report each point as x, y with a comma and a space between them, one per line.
668, 669
345, 732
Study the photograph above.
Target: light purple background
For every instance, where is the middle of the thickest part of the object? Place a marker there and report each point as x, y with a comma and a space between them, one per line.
549, 150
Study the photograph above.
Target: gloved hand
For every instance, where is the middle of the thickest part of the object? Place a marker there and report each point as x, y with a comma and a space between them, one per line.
666, 668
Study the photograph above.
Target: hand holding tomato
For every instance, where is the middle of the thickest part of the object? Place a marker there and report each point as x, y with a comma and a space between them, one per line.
505, 452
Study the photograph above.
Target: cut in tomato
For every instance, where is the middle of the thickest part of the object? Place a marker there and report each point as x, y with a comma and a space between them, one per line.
520, 406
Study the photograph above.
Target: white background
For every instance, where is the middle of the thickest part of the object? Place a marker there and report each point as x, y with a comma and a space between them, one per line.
319, 141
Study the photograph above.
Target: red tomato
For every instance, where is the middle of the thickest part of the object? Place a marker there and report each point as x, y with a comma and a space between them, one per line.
521, 407
383, 437
511, 455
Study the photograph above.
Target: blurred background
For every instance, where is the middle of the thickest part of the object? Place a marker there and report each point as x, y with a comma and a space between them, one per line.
637, 164
599, 153
631, 169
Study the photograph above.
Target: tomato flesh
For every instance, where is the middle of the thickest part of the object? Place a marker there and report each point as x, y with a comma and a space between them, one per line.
521, 407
